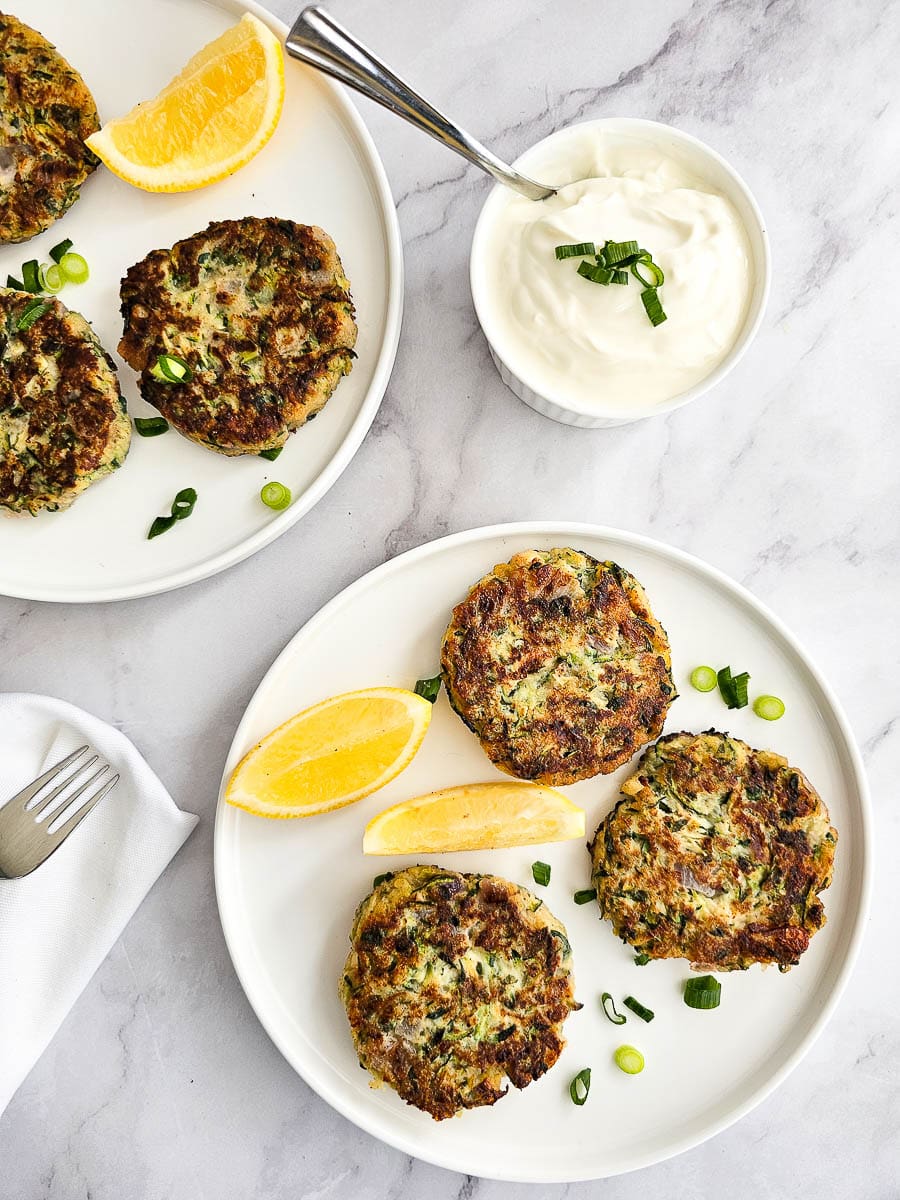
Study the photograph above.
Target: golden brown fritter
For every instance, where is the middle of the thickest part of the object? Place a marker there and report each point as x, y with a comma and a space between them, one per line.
716, 853
454, 984
63, 423
260, 310
46, 112
555, 661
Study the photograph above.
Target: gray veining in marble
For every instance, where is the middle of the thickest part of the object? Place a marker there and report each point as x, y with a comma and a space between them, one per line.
161, 1082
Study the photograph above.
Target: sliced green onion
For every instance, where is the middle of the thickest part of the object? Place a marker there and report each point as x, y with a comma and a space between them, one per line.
382, 878
32, 311
182, 507
703, 679
652, 306
616, 251
646, 1014
739, 683
565, 946
586, 896
580, 1086
31, 276
733, 689
51, 278
629, 1060
74, 268
540, 873
60, 249
428, 688
702, 991
275, 495
272, 454
609, 1010
620, 277
151, 426
644, 261
596, 274
16, 284
169, 368
770, 708
641, 960
575, 250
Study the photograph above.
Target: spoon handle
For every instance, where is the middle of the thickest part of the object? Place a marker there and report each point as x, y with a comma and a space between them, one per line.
318, 40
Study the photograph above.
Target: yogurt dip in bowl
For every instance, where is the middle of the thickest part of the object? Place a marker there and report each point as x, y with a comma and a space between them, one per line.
586, 353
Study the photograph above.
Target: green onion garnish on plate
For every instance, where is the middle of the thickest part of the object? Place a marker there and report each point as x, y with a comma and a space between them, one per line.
182, 507
32, 312
703, 679
428, 688
575, 250
75, 268
585, 896
51, 278
169, 368
629, 1060
151, 426
609, 1010
31, 277
580, 1086
275, 495
16, 284
770, 708
733, 688
60, 249
646, 1014
641, 960
272, 454
540, 873
702, 991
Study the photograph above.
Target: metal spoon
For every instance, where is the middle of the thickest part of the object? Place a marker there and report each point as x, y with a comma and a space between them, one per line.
318, 40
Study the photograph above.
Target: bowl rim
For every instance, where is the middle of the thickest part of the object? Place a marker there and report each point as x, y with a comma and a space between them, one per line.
644, 127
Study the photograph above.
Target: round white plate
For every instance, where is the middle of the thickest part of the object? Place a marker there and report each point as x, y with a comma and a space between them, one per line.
287, 890
320, 168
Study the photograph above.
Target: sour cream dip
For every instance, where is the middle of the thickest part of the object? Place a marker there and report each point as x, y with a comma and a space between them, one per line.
590, 348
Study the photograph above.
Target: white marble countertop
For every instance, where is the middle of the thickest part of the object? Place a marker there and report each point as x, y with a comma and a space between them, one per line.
161, 1083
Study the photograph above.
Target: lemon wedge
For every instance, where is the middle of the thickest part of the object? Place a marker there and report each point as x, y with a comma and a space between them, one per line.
208, 122
331, 754
476, 816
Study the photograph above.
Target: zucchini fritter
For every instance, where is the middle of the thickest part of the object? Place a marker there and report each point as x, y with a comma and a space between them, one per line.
63, 422
454, 983
260, 310
46, 112
555, 661
716, 854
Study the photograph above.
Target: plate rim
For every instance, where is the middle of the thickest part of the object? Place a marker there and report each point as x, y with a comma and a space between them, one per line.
406, 1144
372, 400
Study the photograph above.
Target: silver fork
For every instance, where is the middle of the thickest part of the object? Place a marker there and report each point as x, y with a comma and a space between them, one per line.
26, 840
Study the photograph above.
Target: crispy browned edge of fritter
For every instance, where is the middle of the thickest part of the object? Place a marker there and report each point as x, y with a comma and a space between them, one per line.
81, 158
649, 718
781, 944
520, 1060
301, 395
99, 420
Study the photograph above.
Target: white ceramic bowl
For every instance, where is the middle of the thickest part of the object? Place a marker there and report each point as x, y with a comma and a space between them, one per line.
709, 166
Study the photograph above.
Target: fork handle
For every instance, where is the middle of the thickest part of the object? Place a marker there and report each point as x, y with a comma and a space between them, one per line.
321, 42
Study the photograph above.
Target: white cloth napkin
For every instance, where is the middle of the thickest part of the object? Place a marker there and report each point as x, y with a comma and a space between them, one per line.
59, 923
